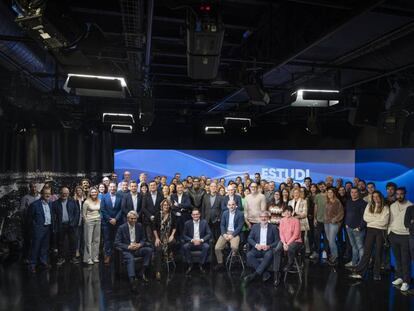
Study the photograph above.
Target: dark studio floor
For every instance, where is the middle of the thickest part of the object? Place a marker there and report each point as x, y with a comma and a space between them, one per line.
95, 288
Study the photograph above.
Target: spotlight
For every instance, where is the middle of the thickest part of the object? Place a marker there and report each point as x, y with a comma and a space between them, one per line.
314, 98
94, 85
214, 130
121, 129
118, 118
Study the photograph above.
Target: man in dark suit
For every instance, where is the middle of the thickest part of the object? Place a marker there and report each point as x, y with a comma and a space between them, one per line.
231, 225
131, 201
66, 218
211, 210
196, 237
150, 206
181, 207
40, 219
231, 195
263, 238
111, 214
130, 240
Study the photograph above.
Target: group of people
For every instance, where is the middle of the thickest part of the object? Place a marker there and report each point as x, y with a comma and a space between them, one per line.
351, 222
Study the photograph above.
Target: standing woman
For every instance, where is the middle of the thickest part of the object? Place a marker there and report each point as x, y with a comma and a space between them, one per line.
300, 211
376, 216
79, 199
164, 228
334, 213
172, 188
166, 192
92, 227
311, 215
143, 188
285, 197
102, 190
240, 190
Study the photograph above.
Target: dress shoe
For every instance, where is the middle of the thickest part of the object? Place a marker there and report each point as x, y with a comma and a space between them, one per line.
356, 276
249, 278
190, 267
144, 278
202, 270
219, 267
158, 276
276, 283
45, 266
107, 260
134, 284
266, 276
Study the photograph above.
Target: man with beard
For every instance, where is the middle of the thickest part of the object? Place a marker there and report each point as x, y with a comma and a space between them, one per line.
399, 239
196, 194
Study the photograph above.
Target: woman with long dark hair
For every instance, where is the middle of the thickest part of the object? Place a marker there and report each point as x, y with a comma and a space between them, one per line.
376, 216
164, 229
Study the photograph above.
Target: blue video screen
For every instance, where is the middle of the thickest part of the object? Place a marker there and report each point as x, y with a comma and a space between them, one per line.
274, 165
377, 165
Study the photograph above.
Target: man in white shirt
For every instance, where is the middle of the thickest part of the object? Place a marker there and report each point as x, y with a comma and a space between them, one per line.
196, 237
231, 225
399, 239
132, 200
130, 240
262, 239
127, 178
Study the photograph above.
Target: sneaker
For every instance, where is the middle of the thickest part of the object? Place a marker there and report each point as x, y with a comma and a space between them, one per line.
60, 261
376, 277
404, 287
96, 260
397, 282
356, 276
90, 262
314, 255
349, 265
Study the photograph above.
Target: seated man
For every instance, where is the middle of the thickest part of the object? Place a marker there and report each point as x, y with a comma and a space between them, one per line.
196, 236
290, 241
263, 238
231, 225
130, 239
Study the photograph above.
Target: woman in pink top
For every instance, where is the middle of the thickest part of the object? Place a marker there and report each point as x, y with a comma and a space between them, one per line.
290, 241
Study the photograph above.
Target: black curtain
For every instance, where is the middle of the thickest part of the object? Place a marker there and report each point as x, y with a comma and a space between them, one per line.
59, 151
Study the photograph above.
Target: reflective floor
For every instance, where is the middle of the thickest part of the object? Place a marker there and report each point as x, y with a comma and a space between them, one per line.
96, 288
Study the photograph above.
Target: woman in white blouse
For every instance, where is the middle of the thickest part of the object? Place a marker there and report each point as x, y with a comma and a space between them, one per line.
92, 227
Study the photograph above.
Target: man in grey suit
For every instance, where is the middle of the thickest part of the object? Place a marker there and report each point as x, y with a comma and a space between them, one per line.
211, 210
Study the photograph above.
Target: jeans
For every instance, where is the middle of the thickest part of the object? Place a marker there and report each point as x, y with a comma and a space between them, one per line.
331, 232
189, 247
400, 246
66, 232
252, 259
356, 238
319, 230
109, 232
40, 245
293, 249
145, 252
374, 237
